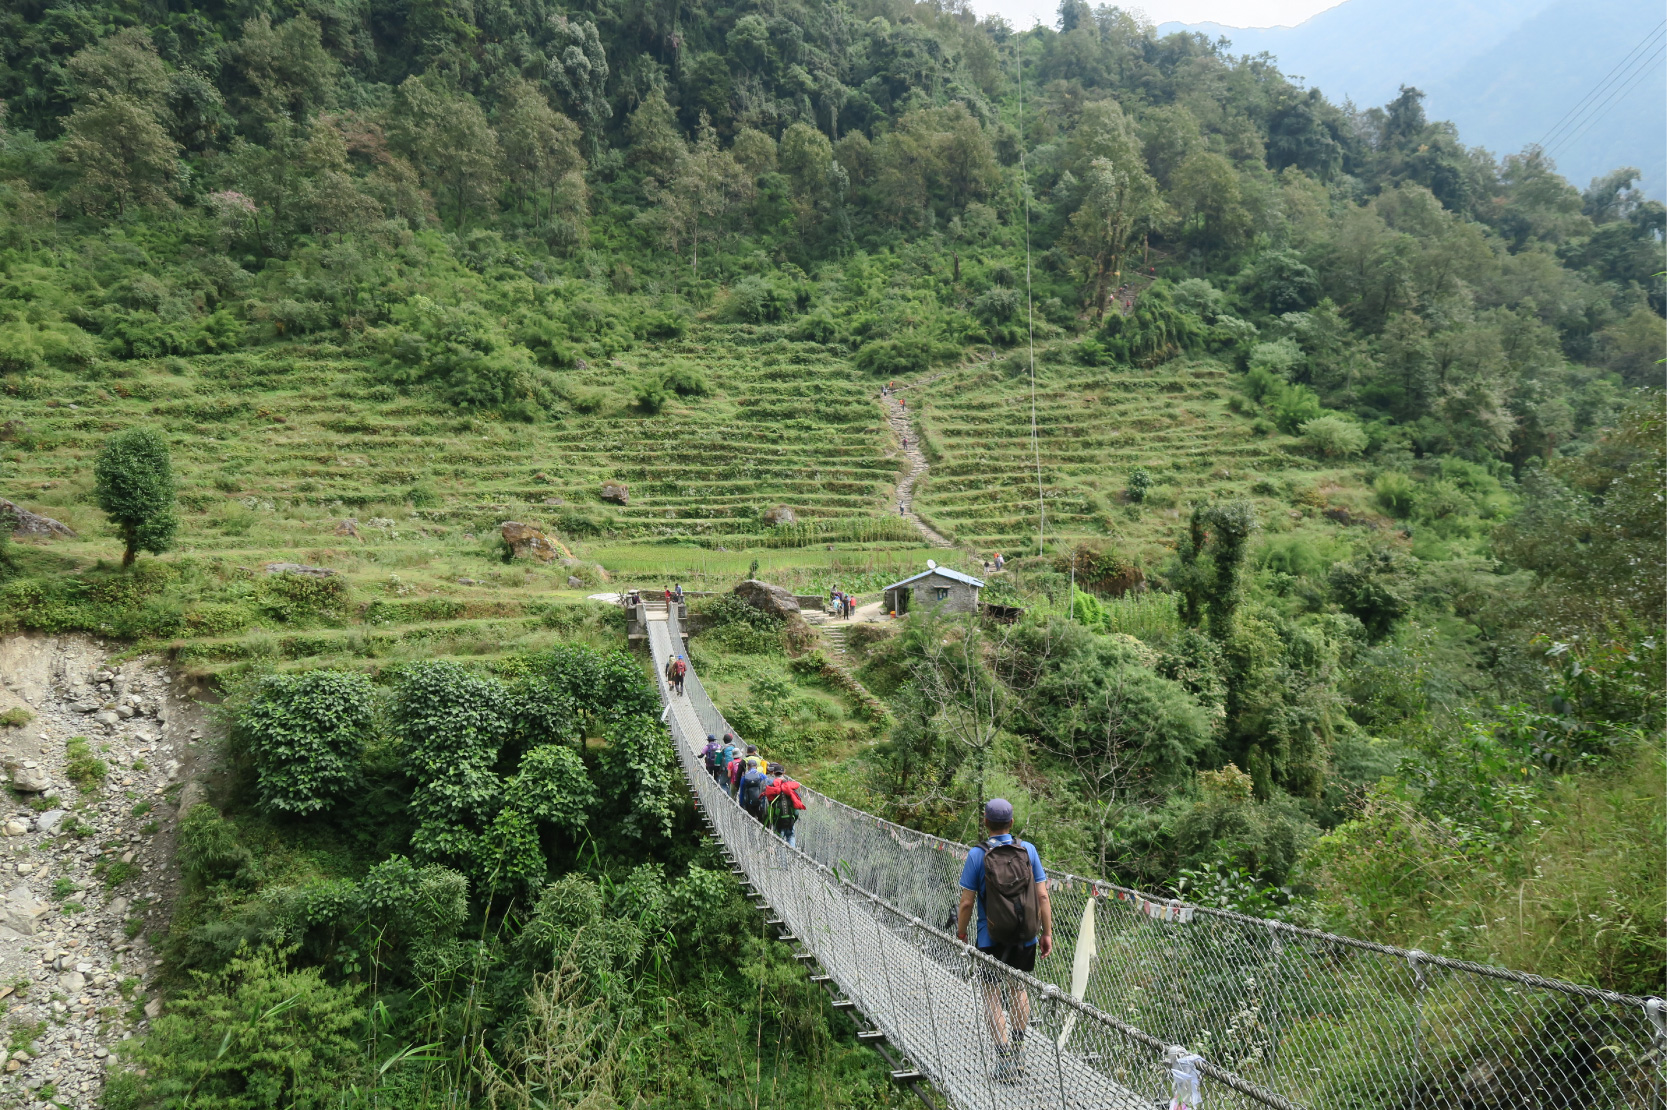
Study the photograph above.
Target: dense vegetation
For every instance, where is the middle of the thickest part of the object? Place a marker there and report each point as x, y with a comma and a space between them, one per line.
1336, 476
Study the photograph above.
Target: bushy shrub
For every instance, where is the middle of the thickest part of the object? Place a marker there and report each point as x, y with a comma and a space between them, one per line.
1333, 436
1140, 482
83, 768
254, 1034
209, 849
304, 733
758, 300
1154, 331
297, 597
908, 354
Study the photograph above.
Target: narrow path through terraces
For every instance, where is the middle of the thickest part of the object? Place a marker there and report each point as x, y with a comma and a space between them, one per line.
898, 417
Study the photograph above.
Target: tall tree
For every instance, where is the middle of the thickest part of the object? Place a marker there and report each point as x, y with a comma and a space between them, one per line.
133, 481
1119, 205
539, 144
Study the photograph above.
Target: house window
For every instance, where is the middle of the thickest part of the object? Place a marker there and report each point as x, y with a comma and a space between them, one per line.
943, 593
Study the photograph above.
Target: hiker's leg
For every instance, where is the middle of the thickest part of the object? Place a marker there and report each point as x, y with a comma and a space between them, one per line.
1021, 1010
994, 1013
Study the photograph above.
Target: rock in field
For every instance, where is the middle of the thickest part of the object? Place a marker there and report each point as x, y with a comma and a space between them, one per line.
26, 523
781, 514
770, 598
525, 541
617, 492
21, 911
29, 777
299, 568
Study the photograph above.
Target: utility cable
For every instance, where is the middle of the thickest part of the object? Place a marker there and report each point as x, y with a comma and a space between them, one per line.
1601, 87
1030, 310
1614, 97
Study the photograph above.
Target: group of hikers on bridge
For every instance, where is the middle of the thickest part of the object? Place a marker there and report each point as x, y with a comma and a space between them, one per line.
760, 787
1003, 883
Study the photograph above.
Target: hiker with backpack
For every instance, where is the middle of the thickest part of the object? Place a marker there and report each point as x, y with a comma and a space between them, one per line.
679, 670
709, 755
1003, 879
782, 805
734, 769
720, 763
753, 782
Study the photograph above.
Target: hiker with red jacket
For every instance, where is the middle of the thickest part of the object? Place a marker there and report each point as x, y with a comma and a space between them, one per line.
782, 805
1003, 878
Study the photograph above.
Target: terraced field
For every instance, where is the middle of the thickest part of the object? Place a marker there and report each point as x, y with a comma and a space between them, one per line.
785, 424
1094, 427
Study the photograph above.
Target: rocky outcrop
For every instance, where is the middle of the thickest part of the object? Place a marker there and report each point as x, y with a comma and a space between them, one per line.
770, 598
781, 514
616, 492
26, 523
527, 542
349, 527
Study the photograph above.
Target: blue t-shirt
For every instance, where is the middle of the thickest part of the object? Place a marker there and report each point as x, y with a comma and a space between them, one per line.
972, 878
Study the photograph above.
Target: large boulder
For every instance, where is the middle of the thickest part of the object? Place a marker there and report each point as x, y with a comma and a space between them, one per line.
617, 492
26, 523
781, 514
22, 912
770, 598
29, 777
526, 542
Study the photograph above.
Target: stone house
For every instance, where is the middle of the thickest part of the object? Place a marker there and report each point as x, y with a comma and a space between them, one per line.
936, 587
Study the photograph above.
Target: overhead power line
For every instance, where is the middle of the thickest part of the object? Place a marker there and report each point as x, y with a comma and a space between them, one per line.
1597, 114
1622, 71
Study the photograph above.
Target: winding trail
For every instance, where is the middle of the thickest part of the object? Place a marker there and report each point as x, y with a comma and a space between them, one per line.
897, 416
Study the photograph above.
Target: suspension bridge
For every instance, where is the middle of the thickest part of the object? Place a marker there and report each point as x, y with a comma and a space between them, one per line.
1138, 988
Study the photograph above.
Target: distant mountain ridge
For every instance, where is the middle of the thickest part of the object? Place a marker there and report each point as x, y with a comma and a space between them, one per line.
1504, 71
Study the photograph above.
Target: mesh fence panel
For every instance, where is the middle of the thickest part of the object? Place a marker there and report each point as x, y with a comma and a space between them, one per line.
1281, 1016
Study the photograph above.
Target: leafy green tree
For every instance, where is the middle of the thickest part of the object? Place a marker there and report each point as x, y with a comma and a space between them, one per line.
133, 482
292, 73
1120, 204
539, 145
1376, 588
1211, 564
304, 733
1127, 733
579, 71
448, 138
1205, 192
119, 151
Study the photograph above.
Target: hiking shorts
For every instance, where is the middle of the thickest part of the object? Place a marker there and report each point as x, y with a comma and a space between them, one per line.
1020, 957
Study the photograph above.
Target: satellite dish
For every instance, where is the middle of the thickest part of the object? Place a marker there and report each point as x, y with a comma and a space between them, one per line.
931, 564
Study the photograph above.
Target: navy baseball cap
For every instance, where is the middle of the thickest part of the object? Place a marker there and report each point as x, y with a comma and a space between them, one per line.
998, 811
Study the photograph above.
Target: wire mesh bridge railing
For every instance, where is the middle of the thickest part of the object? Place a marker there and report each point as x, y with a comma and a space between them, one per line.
1281, 1016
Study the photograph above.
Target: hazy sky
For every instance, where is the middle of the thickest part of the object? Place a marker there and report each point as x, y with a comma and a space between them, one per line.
1233, 13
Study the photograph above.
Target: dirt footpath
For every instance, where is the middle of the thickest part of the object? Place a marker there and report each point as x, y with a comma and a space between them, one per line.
85, 877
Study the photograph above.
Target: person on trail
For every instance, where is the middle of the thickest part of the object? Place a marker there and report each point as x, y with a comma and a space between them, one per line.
734, 769
1000, 562
782, 804
709, 755
753, 782
679, 669
668, 595
1004, 880
905, 443
677, 591
901, 511
671, 675
726, 755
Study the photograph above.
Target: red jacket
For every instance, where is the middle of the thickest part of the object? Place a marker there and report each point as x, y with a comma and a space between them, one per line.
784, 786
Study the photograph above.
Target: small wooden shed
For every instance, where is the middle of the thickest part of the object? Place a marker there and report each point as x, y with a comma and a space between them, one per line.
936, 587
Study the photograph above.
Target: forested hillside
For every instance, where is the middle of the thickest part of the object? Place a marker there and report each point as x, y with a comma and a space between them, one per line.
1326, 453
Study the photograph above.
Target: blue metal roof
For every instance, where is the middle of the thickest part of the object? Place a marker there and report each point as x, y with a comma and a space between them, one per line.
946, 572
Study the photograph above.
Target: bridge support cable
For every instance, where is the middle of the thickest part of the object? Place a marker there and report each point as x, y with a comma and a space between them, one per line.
1284, 1016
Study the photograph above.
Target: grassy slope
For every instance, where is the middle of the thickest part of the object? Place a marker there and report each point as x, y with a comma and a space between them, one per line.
1093, 427
275, 446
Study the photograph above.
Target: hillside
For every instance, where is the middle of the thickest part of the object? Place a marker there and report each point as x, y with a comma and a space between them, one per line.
1323, 450
1505, 74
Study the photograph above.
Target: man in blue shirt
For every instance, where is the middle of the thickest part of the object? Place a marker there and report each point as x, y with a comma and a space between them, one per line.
1020, 955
